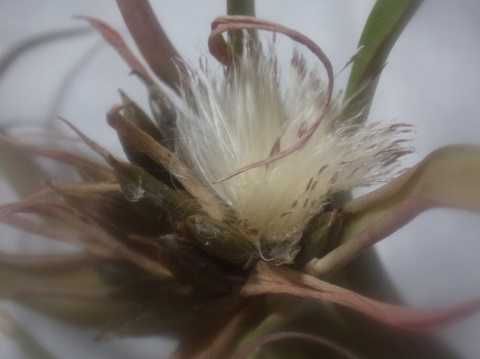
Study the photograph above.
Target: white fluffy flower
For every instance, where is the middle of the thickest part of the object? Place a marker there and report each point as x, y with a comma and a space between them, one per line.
229, 118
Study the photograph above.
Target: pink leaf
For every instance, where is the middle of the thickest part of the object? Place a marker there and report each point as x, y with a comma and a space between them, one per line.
448, 177
275, 280
117, 42
151, 39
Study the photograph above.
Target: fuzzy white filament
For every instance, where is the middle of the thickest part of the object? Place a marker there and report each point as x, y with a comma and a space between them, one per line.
230, 118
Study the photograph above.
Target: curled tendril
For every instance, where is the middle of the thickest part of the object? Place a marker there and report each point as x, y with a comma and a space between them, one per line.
222, 52
247, 350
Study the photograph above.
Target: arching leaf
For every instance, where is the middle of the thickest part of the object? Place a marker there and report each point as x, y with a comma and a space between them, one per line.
448, 177
151, 39
268, 279
384, 25
26, 343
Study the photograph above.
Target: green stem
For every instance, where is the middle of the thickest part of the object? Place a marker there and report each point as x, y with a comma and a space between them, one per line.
241, 7
244, 8
271, 323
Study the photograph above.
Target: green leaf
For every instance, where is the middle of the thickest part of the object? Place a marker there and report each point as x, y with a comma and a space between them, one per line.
26, 343
271, 323
384, 25
74, 294
20, 171
109, 296
448, 177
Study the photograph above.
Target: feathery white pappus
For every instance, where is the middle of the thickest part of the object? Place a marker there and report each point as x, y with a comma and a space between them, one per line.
229, 118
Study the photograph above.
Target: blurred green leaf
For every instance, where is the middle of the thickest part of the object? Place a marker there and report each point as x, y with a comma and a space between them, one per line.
384, 25
448, 177
17, 169
77, 295
26, 343
20, 171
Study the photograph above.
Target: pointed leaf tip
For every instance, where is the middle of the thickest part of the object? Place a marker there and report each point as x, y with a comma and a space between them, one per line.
448, 177
116, 41
386, 21
151, 39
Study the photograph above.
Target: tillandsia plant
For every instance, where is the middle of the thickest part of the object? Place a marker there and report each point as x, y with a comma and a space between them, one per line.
232, 224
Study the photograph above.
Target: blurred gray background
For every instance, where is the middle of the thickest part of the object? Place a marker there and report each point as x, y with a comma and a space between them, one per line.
432, 81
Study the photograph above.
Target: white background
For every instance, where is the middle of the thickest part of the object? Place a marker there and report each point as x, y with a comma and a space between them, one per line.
432, 81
